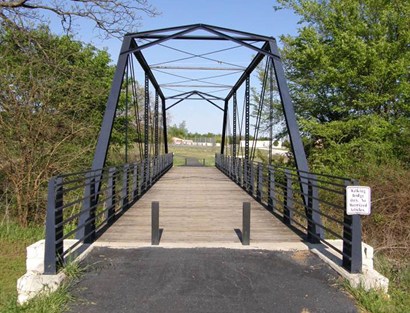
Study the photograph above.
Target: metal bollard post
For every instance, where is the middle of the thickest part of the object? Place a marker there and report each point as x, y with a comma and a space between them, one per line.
155, 223
246, 223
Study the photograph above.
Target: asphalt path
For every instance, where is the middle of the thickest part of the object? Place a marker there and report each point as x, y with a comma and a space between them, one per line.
207, 280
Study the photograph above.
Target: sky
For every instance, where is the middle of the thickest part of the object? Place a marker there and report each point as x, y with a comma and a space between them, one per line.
257, 16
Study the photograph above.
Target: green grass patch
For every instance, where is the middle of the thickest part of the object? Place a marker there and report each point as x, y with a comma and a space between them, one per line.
198, 152
13, 242
398, 298
55, 302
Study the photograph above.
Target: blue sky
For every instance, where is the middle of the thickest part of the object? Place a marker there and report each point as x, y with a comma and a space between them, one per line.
256, 16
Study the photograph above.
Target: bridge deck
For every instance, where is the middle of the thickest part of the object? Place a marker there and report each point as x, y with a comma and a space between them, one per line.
199, 206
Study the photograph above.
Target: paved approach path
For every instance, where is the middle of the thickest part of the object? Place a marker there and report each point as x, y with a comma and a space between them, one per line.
202, 280
199, 206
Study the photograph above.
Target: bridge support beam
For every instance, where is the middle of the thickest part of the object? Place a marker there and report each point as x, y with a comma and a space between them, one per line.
234, 110
156, 133
290, 118
164, 125
146, 127
224, 124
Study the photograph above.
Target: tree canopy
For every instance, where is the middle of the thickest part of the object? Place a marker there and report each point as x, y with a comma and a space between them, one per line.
112, 17
51, 106
348, 69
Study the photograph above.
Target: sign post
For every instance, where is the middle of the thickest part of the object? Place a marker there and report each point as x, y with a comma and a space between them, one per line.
358, 200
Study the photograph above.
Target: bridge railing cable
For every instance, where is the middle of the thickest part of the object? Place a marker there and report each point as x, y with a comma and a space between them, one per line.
320, 213
83, 205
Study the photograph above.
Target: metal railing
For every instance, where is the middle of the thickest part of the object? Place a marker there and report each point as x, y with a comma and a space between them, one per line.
82, 205
314, 203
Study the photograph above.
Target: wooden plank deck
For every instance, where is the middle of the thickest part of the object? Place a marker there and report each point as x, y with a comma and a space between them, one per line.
199, 206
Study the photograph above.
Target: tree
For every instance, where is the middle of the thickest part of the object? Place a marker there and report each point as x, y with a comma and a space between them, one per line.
53, 92
112, 17
349, 76
179, 131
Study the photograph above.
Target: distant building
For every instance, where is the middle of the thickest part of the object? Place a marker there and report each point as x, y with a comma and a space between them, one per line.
180, 141
264, 145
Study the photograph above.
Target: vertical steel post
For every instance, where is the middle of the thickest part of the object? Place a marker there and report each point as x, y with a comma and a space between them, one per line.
224, 122
270, 111
155, 223
246, 223
252, 178
247, 123
156, 133
125, 187
234, 109
146, 129
53, 250
315, 232
352, 239
272, 196
142, 177
288, 199
111, 201
260, 182
135, 181
248, 165
86, 232
164, 126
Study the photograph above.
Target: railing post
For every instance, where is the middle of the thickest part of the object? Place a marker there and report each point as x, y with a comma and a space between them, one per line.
246, 223
252, 178
272, 196
260, 182
155, 223
314, 231
125, 187
154, 169
110, 204
89, 205
150, 169
288, 199
352, 239
240, 172
135, 181
142, 177
53, 250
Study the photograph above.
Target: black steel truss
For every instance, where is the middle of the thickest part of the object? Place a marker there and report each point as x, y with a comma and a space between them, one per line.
130, 47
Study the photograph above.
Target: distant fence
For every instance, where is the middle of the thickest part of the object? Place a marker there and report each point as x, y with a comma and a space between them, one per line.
82, 204
311, 202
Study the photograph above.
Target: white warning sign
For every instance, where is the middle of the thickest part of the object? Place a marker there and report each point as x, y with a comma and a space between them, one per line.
358, 200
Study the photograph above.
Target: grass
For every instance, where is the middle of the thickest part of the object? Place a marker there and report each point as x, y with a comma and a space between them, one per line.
182, 152
398, 298
47, 303
13, 242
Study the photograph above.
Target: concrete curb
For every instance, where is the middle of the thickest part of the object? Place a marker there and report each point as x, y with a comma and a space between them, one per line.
34, 282
368, 279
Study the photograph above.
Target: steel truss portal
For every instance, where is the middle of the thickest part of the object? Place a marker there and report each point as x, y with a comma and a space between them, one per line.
267, 49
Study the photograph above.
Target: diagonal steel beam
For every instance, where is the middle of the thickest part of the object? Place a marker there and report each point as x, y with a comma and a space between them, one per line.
141, 59
157, 42
214, 104
265, 52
